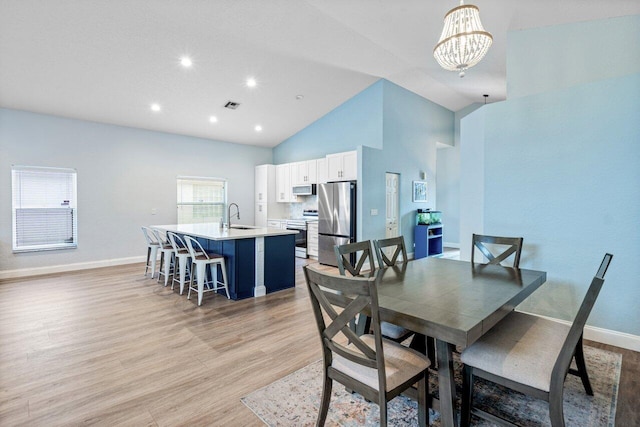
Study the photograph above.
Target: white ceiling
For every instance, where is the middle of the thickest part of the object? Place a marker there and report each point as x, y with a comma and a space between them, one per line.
108, 60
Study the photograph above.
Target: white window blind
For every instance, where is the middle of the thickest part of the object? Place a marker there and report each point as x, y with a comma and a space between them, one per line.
44, 208
201, 199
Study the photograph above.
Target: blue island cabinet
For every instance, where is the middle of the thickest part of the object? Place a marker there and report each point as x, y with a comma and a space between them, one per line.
240, 257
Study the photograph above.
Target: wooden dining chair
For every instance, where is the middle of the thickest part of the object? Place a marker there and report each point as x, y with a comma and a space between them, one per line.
396, 248
499, 249
352, 257
377, 368
362, 250
510, 354
398, 253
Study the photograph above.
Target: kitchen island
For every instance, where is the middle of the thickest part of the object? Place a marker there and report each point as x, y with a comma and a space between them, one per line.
259, 260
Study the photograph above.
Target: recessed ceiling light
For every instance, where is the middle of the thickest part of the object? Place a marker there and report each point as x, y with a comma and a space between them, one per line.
251, 82
258, 128
213, 119
155, 107
186, 62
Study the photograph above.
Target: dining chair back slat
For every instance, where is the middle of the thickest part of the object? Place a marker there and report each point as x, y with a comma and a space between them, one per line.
493, 248
397, 248
362, 250
574, 336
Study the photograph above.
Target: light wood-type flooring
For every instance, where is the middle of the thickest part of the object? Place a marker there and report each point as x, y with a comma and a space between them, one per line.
112, 347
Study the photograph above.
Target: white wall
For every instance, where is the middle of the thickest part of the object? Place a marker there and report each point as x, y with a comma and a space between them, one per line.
123, 173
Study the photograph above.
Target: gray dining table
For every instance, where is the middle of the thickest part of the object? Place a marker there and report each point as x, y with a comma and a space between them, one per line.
455, 302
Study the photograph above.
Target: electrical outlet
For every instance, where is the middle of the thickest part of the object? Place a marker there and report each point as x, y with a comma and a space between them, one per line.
154, 211
374, 212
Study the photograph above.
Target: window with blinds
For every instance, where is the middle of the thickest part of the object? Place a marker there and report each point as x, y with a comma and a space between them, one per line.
44, 208
201, 199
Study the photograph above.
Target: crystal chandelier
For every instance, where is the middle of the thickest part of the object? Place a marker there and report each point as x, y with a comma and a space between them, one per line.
463, 42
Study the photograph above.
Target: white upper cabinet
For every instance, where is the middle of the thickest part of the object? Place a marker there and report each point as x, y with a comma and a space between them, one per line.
297, 173
342, 166
304, 173
265, 203
350, 165
322, 171
262, 183
312, 171
284, 192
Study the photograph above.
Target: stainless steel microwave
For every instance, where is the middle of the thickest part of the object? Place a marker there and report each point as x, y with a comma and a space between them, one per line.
304, 190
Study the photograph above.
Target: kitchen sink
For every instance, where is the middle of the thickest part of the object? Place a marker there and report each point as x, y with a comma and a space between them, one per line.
243, 227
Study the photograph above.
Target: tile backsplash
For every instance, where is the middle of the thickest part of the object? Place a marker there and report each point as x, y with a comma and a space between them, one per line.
305, 203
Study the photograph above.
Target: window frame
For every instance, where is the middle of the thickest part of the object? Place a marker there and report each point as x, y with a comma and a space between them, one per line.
195, 204
18, 185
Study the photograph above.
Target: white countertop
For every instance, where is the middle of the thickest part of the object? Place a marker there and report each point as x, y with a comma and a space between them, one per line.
213, 231
308, 219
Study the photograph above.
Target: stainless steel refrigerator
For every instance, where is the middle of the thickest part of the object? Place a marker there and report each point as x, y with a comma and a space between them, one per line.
336, 218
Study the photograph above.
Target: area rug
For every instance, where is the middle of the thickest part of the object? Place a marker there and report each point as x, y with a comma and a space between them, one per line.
294, 400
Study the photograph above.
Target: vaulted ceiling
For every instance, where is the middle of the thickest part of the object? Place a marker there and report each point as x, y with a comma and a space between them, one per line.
109, 60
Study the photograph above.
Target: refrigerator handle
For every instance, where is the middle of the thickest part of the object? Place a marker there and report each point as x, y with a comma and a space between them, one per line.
354, 202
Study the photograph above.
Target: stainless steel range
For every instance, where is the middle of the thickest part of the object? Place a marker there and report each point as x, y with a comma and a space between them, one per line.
300, 225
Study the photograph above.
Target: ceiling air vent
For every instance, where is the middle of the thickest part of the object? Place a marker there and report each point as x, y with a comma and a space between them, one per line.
232, 105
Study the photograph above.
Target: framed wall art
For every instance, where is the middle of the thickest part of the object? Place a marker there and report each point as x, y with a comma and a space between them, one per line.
420, 191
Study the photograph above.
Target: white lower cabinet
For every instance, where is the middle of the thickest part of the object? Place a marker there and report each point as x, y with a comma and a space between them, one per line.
277, 223
312, 239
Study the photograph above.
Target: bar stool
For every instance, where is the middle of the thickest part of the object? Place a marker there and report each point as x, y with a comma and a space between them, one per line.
181, 255
166, 256
152, 250
200, 259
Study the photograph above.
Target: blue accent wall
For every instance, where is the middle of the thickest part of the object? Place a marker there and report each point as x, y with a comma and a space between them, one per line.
563, 171
357, 122
394, 130
560, 166
552, 58
412, 126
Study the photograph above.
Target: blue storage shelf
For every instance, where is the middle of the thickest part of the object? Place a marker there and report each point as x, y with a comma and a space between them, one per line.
428, 240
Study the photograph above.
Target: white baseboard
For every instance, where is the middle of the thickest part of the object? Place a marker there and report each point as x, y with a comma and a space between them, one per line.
618, 339
604, 336
451, 245
25, 272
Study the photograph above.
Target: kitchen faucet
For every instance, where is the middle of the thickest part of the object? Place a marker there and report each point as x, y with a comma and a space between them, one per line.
237, 215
